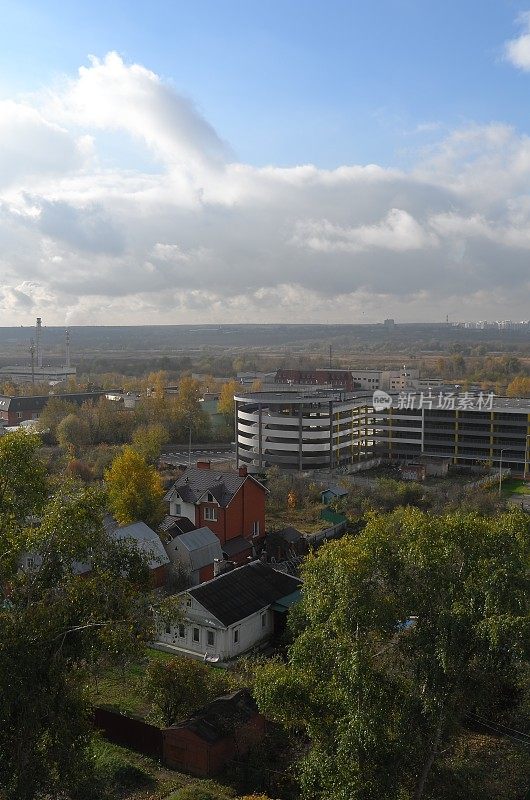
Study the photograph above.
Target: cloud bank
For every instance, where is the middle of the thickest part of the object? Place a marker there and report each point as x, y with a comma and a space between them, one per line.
192, 235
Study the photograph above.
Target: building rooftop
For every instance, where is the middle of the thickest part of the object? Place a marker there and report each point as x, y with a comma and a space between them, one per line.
195, 482
145, 539
221, 717
236, 595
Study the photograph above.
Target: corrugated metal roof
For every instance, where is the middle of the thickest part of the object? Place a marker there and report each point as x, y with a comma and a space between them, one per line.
199, 538
201, 547
147, 541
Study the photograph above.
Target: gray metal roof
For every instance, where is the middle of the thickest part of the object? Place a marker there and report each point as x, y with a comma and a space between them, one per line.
147, 541
201, 546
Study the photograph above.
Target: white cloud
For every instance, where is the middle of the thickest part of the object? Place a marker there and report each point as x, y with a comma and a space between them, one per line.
205, 238
517, 51
399, 232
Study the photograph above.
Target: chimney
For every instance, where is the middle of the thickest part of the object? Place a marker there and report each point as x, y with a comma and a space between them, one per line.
204, 464
242, 472
67, 362
216, 567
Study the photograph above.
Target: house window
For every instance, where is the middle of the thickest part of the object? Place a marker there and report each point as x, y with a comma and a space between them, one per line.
196, 635
264, 620
30, 562
182, 631
178, 509
209, 497
236, 635
210, 513
188, 602
255, 528
168, 627
210, 638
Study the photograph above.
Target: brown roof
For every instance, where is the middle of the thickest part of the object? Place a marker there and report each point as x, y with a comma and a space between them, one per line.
221, 717
195, 482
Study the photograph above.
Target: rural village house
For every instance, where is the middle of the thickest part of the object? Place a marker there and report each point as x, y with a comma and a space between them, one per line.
232, 613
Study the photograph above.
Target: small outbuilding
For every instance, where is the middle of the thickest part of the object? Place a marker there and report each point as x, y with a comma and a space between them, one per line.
216, 734
333, 493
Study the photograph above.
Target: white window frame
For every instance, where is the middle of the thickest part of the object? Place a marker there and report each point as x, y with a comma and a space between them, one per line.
181, 631
197, 631
210, 635
210, 513
235, 636
255, 528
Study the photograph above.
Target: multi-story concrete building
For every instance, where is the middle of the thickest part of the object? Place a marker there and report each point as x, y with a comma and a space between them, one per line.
466, 435
326, 429
302, 430
393, 380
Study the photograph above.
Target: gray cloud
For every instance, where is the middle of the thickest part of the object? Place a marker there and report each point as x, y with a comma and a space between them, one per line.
209, 239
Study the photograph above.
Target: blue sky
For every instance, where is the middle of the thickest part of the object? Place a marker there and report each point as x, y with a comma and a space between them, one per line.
273, 161
293, 81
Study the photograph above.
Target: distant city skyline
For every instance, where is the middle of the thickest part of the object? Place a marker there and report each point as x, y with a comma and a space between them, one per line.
172, 162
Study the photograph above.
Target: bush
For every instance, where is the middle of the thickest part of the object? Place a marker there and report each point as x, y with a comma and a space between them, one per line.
203, 790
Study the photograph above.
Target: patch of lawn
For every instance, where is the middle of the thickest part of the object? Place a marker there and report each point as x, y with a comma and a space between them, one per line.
122, 687
305, 519
515, 486
480, 767
117, 773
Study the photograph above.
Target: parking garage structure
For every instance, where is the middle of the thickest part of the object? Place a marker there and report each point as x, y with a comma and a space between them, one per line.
302, 430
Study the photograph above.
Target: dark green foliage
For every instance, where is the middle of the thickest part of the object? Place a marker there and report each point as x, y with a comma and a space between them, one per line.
180, 686
55, 624
379, 701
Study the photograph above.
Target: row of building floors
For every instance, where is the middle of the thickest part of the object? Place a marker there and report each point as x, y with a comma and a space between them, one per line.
328, 430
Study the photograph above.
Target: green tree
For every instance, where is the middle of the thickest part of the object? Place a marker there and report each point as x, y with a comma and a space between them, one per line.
400, 632
148, 441
54, 623
178, 687
72, 434
134, 489
53, 412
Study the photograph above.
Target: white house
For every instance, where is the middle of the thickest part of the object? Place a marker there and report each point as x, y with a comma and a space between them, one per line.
232, 613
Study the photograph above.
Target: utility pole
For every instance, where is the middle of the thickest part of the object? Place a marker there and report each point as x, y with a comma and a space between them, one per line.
32, 353
330, 357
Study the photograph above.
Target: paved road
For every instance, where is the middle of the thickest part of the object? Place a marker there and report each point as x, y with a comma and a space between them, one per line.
215, 456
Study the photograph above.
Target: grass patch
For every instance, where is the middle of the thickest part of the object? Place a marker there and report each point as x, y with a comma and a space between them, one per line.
121, 688
117, 773
306, 519
480, 767
515, 486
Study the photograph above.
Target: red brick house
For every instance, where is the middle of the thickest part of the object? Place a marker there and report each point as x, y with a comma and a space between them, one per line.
225, 729
14, 410
231, 504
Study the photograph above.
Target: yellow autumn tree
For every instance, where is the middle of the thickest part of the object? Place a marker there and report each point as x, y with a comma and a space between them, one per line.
134, 489
519, 387
225, 405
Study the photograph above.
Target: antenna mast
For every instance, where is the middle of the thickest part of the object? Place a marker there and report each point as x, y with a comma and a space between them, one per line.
38, 338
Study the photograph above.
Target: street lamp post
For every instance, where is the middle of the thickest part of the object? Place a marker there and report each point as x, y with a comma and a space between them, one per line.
500, 471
